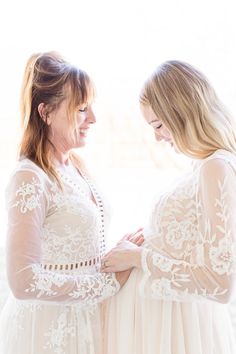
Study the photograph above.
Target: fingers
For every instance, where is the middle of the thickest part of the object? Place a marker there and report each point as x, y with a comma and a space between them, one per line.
134, 237
111, 265
105, 261
140, 229
108, 268
106, 265
124, 238
131, 236
140, 241
137, 239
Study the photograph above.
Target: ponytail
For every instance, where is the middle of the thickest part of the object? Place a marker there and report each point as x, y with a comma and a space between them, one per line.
26, 91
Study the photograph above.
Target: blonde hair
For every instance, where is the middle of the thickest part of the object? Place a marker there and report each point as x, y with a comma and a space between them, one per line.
183, 99
48, 79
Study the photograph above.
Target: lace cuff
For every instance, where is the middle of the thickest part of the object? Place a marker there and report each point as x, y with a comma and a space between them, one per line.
144, 264
145, 269
116, 283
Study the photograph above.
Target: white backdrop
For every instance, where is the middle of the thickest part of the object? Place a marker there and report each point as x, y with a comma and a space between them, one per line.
118, 43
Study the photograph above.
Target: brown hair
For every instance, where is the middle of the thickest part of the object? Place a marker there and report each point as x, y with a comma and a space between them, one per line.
48, 79
184, 100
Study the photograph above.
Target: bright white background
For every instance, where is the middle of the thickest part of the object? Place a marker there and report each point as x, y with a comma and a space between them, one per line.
118, 43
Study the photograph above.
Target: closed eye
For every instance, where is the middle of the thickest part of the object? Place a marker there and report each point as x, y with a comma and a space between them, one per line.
83, 109
154, 122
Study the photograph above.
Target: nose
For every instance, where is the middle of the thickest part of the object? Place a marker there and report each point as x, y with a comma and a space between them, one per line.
91, 116
158, 136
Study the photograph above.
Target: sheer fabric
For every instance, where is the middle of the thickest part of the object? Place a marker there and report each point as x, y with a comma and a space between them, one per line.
176, 301
54, 247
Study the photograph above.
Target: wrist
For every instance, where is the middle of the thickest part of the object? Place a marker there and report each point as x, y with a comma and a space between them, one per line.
136, 257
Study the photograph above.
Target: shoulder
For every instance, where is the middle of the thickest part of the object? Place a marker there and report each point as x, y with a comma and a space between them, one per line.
29, 168
27, 173
219, 166
28, 187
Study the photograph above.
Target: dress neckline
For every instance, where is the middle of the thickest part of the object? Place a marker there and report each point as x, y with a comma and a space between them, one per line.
196, 163
96, 199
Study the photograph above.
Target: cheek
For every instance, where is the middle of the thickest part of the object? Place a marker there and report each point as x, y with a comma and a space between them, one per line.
158, 136
166, 133
81, 117
60, 128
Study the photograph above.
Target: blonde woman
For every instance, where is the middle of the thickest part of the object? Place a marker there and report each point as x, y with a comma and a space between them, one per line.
56, 221
175, 301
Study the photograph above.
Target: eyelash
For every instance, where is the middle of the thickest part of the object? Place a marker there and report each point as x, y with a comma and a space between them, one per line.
83, 110
158, 126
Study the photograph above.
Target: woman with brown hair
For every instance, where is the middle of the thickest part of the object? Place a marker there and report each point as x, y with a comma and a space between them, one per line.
56, 221
175, 301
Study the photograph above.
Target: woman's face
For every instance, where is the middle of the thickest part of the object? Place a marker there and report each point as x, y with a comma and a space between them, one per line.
160, 130
61, 134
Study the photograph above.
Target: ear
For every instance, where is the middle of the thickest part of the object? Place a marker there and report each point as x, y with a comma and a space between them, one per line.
42, 109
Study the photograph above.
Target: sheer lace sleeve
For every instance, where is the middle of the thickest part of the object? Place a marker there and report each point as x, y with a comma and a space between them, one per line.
210, 273
27, 204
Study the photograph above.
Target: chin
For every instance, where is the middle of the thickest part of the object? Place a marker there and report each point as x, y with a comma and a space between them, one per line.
176, 149
79, 144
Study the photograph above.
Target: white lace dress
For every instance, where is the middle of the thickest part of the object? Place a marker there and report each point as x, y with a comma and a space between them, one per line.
54, 246
176, 304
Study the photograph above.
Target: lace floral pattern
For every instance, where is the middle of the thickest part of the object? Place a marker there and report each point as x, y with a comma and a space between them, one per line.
28, 195
55, 238
44, 282
162, 288
64, 329
178, 232
59, 332
93, 288
223, 257
193, 254
69, 244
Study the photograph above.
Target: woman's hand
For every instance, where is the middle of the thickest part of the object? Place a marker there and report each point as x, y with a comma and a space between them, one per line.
125, 255
134, 237
122, 277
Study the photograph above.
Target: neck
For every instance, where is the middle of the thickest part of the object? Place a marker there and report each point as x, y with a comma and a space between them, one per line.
62, 159
60, 154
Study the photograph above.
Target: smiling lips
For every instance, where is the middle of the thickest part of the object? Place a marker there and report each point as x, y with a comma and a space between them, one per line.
169, 142
83, 131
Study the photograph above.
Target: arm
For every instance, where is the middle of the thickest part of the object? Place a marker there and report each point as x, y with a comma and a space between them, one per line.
27, 206
214, 276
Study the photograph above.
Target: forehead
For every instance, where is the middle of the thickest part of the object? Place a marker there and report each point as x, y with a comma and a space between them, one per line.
79, 92
149, 115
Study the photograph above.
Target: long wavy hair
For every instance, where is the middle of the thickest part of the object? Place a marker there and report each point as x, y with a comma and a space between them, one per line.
184, 100
48, 79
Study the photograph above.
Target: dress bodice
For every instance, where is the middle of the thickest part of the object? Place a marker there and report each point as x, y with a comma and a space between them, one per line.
174, 221
56, 236
190, 248
73, 231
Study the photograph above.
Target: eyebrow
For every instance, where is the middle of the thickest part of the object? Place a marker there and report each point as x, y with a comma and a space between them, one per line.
153, 121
